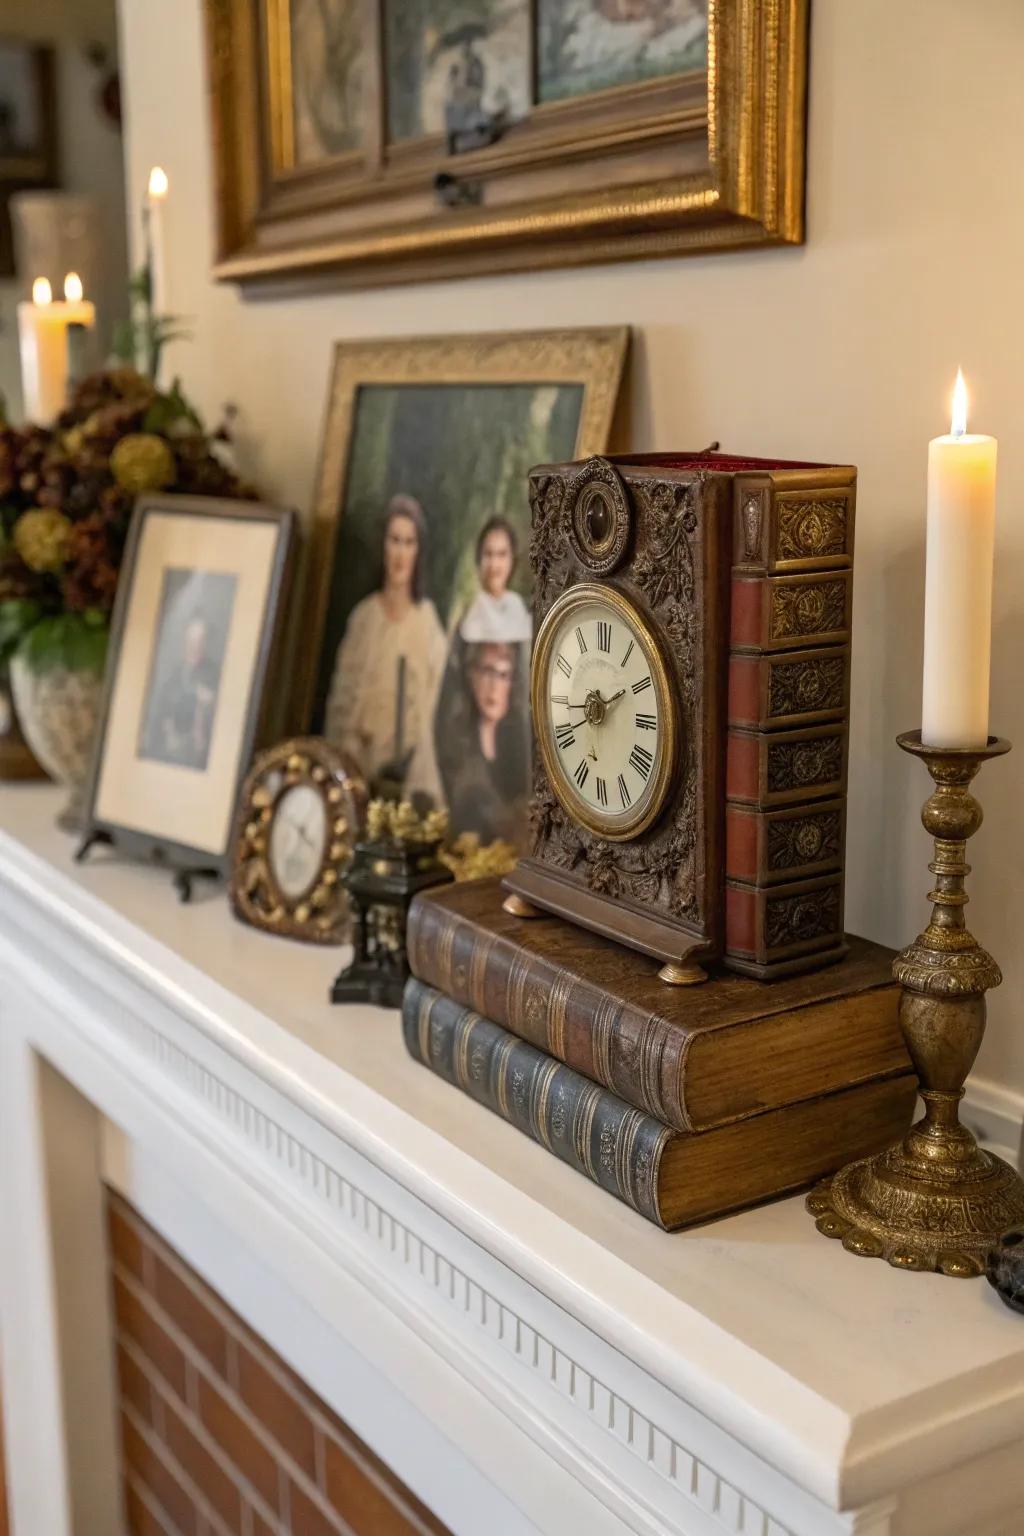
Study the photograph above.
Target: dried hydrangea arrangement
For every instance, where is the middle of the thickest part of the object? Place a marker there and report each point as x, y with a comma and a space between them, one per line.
66, 495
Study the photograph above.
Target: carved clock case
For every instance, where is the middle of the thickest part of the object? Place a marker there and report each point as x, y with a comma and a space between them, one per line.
739, 572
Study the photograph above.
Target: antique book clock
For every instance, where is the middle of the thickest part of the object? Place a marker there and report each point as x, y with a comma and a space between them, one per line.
689, 689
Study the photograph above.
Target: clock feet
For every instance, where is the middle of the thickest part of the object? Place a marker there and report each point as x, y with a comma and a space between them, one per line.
682, 975
516, 906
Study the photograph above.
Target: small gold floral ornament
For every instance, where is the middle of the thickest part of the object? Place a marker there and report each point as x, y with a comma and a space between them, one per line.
470, 859
142, 462
42, 537
378, 820
400, 821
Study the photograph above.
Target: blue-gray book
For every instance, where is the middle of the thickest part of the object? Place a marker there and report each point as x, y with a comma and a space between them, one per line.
670, 1177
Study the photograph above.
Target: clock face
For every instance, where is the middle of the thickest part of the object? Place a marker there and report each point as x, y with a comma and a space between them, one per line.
604, 712
298, 840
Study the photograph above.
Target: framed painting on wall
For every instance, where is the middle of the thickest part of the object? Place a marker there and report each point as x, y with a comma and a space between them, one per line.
417, 630
369, 141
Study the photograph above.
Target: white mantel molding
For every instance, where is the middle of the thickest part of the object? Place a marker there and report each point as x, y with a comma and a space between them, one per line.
540, 1383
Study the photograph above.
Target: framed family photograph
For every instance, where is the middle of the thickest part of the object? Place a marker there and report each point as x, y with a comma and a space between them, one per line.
419, 634
193, 645
370, 141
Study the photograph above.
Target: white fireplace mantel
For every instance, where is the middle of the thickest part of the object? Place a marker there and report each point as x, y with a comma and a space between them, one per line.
529, 1355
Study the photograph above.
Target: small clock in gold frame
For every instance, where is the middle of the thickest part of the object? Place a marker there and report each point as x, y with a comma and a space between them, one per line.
300, 813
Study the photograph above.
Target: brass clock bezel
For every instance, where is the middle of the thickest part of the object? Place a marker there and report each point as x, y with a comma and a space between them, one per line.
320, 913
621, 827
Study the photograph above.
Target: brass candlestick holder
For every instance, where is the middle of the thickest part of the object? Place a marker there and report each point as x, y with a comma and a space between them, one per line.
935, 1200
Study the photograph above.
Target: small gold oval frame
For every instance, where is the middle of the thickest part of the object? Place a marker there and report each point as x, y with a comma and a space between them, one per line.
320, 913
626, 825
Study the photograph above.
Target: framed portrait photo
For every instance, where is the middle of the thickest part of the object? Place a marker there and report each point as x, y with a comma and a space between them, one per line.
417, 650
373, 141
194, 643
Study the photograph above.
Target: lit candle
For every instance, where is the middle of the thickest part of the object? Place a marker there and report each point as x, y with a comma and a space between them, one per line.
156, 194
43, 344
958, 583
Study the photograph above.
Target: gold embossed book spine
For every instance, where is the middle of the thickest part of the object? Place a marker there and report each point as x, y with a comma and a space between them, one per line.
789, 700
672, 1179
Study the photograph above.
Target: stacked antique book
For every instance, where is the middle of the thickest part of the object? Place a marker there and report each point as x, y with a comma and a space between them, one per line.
684, 1102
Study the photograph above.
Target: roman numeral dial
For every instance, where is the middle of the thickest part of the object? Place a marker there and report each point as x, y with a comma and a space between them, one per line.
604, 711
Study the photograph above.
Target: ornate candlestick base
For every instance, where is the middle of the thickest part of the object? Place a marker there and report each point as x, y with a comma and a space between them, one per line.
935, 1201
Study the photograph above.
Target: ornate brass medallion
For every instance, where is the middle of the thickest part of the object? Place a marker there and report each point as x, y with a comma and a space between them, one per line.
301, 810
600, 522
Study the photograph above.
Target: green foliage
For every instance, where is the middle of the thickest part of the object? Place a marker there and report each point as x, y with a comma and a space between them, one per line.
77, 641
170, 411
17, 616
144, 334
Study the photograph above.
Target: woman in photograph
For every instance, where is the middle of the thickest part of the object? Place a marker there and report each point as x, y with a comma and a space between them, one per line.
496, 612
483, 743
482, 755
388, 668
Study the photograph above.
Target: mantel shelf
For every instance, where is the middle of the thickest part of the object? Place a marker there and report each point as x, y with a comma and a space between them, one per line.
848, 1378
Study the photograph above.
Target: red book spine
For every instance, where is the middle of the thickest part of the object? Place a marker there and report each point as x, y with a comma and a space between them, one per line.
788, 708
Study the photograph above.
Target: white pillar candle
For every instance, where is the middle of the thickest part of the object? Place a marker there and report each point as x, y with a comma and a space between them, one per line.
43, 344
156, 195
958, 583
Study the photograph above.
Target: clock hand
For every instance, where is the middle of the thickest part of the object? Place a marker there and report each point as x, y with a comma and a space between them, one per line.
299, 830
614, 697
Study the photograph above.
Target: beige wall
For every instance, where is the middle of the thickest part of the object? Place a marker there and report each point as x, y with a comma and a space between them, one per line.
845, 348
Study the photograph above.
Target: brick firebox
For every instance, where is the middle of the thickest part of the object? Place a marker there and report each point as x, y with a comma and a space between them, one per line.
219, 1437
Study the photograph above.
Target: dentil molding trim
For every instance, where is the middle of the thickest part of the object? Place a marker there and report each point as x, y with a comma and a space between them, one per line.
480, 1315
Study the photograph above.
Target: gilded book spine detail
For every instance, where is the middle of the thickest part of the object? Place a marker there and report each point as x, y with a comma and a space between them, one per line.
617, 1147
631, 1052
788, 712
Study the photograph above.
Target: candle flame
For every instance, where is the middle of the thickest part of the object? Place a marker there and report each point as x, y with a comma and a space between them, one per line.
73, 287
42, 293
958, 425
158, 182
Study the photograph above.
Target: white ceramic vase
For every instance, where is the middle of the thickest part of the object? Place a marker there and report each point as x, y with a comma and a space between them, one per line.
58, 708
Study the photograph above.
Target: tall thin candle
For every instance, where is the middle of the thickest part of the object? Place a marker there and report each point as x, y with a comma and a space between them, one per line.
156, 194
958, 583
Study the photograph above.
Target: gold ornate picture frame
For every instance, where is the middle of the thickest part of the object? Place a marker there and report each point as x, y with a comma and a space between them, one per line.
431, 439
330, 178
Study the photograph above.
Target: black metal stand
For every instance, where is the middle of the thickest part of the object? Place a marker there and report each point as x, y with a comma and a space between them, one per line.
182, 879
371, 981
381, 881
93, 839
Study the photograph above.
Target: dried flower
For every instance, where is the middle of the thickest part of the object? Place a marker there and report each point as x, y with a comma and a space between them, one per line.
470, 859
66, 497
143, 462
42, 538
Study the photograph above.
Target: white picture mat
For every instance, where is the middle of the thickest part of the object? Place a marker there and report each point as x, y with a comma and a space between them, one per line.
167, 801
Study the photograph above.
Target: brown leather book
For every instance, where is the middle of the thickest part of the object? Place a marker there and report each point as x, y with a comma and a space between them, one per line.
692, 1057
672, 1179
